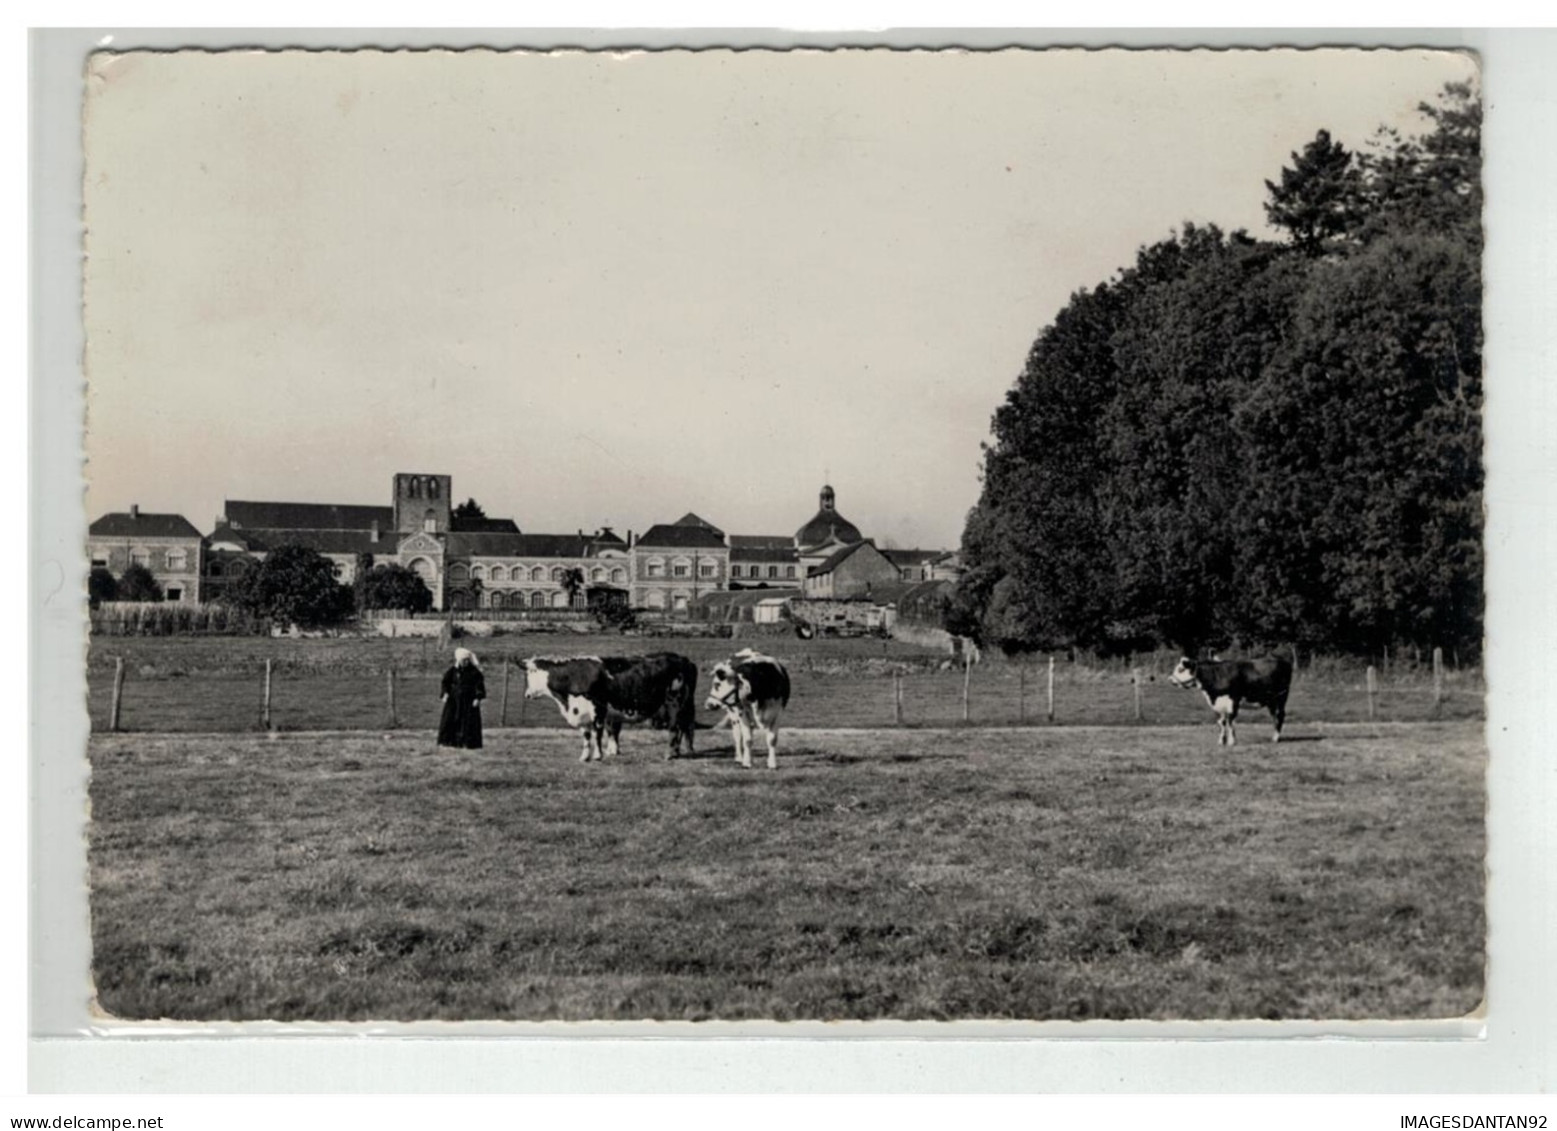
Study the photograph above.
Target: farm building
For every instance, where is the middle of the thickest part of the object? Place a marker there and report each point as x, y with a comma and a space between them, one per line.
853, 571
912, 565
166, 544
746, 606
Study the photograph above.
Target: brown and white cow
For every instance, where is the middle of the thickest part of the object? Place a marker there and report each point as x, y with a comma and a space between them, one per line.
1227, 683
597, 696
752, 690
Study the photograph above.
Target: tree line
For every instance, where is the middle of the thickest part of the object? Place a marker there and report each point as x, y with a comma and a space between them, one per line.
292, 584
1240, 442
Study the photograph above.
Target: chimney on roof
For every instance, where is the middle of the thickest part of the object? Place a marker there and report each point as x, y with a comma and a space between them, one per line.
630, 540
373, 536
135, 510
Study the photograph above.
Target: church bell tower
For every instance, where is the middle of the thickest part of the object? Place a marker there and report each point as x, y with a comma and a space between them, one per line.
422, 503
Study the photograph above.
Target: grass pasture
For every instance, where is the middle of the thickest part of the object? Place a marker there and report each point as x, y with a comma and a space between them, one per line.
215, 684
1074, 873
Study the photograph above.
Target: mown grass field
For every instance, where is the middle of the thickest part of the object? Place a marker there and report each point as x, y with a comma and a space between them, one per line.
1043, 873
215, 684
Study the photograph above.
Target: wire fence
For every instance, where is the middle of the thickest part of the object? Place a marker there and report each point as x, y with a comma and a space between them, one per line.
860, 691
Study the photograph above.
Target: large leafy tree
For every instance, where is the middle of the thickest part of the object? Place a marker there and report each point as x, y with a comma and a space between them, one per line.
1242, 443
137, 584
293, 585
469, 509
392, 586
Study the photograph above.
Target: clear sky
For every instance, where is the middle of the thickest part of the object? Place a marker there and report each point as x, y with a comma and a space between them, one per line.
607, 289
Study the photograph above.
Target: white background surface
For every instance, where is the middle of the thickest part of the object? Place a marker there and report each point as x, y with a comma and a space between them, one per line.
1515, 1053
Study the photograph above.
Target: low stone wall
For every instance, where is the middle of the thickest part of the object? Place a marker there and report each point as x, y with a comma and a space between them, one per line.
394, 626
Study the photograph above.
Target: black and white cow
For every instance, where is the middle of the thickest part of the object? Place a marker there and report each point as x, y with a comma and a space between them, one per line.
752, 690
1227, 683
597, 696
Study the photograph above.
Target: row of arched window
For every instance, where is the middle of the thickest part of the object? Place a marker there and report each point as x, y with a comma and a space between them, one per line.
597, 575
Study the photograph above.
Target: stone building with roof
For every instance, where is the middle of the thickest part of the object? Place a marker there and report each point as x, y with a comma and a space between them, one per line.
764, 561
673, 562
467, 563
166, 544
489, 563
856, 570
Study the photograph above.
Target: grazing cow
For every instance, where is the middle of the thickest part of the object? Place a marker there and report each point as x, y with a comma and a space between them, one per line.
578, 687
752, 689
660, 688
597, 696
1227, 683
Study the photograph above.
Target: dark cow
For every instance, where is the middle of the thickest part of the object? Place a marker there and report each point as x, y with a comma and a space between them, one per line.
597, 696
660, 688
752, 689
1227, 683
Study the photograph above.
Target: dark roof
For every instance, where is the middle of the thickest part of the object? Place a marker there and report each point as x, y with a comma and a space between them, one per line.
324, 541
680, 537
482, 525
912, 557
307, 516
520, 546
761, 542
832, 562
244, 538
690, 519
764, 554
744, 597
827, 524
609, 537
122, 524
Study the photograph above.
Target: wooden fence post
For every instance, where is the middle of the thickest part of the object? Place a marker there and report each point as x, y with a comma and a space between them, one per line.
265, 705
113, 708
1372, 690
503, 714
1051, 688
967, 677
394, 720
1135, 678
1021, 694
1437, 678
1294, 661
897, 699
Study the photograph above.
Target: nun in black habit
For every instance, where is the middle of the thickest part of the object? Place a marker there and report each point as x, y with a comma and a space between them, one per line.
463, 690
